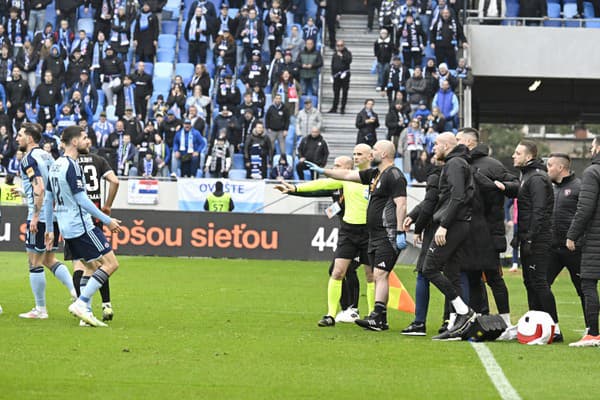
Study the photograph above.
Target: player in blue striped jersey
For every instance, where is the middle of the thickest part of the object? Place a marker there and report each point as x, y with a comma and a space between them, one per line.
74, 212
34, 171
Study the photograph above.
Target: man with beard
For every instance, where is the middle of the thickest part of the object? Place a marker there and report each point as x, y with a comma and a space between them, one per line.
567, 188
486, 257
586, 222
94, 169
386, 211
535, 197
74, 211
34, 170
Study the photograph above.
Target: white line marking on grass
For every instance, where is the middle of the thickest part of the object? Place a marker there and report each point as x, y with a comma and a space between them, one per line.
494, 371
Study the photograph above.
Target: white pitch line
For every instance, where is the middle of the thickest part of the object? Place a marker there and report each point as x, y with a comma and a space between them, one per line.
494, 371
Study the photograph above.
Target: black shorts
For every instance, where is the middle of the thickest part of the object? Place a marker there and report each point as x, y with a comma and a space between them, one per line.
383, 254
36, 243
88, 247
353, 241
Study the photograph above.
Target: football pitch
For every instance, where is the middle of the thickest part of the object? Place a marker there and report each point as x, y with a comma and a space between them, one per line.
244, 329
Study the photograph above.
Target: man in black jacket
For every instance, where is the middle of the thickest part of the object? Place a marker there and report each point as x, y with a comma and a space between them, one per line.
277, 122
536, 202
143, 89
367, 122
312, 148
47, 96
587, 222
487, 170
340, 74
446, 36
566, 193
453, 213
258, 153
17, 92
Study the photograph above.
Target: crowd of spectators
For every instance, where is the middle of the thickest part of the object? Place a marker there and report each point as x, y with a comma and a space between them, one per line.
247, 104
420, 74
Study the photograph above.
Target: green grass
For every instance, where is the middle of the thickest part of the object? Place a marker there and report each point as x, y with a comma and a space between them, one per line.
239, 329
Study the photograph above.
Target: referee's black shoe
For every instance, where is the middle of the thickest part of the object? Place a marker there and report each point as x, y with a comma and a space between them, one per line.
327, 320
558, 338
374, 322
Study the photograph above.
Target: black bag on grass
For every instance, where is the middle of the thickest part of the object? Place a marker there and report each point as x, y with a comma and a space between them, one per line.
485, 328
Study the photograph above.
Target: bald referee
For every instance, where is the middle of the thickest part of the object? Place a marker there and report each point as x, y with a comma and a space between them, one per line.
386, 211
353, 239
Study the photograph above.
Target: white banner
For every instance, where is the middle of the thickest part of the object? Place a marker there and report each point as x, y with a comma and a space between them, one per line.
143, 191
247, 196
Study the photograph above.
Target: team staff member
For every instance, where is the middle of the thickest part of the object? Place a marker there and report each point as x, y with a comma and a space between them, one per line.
492, 201
353, 237
453, 213
350, 285
386, 211
566, 193
425, 227
586, 222
218, 201
94, 169
535, 197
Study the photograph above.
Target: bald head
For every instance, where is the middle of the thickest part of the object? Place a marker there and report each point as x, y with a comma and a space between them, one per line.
383, 153
343, 162
362, 155
444, 144
386, 147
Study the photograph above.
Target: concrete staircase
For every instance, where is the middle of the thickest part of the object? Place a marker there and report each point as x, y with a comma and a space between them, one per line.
340, 130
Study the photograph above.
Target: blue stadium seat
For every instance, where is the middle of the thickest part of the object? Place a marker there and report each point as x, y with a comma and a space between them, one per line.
233, 12
165, 55
237, 174
172, 9
553, 12
276, 158
311, 9
569, 10
82, 14
237, 161
592, 23
588, 10
169, 27
149, 68
86, 24
162, 85
110, 113
186, 70
167, 41
163, 69
570, 1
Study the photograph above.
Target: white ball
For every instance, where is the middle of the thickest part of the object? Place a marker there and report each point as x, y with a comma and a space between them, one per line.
0, 309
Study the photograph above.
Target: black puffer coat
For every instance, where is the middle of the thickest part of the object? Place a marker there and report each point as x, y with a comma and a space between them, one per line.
536, 202
586, 222
566, 194
487, 170
456, 188
422, 214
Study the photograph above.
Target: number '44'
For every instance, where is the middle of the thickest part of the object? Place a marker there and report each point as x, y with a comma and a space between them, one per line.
319, 241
